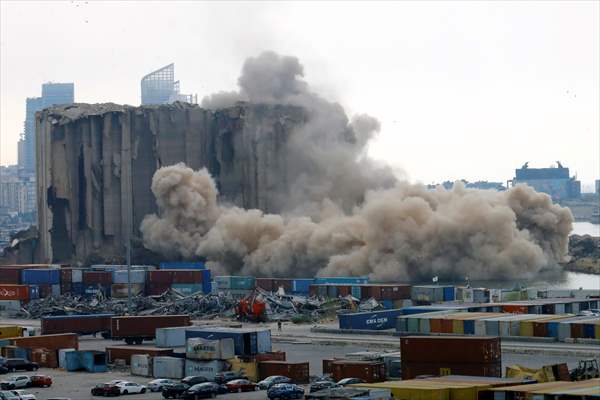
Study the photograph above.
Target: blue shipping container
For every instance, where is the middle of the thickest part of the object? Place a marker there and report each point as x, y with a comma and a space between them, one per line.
387, 304
206, 281
448, 293
40, 276
91, 290
552, 329
375, 320
356, 292
469, 326
588, 331
301, 285
342, 280
78, 288
426, 309
182, 265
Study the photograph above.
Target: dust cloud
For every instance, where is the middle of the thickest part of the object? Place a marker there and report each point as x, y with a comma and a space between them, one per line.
345, 213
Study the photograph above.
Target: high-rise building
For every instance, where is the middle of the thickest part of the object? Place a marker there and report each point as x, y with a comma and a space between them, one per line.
160, 87
52, 94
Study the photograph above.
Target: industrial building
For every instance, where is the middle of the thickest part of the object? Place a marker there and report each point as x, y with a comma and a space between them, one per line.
160, 87
555, 181
96, 163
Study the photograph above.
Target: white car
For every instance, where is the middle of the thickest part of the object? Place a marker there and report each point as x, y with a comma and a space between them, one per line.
23, 395
156, 385
15, 382
131, 387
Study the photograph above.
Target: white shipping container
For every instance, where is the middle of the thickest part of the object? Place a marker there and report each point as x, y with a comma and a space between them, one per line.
137, 276
168, 367
263, 339
55, 290
204, 349
141, 365
171, 337
207, 369
10, 305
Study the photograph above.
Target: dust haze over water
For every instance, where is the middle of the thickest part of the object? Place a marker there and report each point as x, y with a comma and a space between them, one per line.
346, 213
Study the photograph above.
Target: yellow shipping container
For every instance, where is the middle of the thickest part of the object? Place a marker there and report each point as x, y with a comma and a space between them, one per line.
598, 332
249, 369
458, 326
526, 328
10, 331
423, 389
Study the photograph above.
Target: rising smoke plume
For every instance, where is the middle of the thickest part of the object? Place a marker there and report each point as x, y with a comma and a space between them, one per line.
346, 214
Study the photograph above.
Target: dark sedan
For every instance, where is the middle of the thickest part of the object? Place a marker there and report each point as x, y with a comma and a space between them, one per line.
19, 364
203, 391
106, 390
285, 391
174, 391
320, 385
194, 380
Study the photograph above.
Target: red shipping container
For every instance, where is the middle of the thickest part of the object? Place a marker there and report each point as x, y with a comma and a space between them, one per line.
515, 309
450, 349
343, 290
265, 283
446, 325
66, 275
65, 287
328, 365
14, 292
45, 358
144, 325
395, 292
271, 356
187, 276
411, 370
161, 276
10, 275
50, 342
156, 289
368, 371
297, 372
95, 277
286, 284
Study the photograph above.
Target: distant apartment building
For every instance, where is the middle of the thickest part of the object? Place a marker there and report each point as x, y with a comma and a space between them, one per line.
17, 191
555, 181
52, 94
160, 87
597, 191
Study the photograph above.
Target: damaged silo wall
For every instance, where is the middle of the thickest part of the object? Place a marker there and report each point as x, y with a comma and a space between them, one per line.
96, 162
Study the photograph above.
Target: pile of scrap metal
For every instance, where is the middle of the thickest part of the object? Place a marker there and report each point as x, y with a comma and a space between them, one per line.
170, 302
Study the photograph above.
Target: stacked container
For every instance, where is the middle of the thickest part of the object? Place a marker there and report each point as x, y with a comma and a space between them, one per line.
168, 367
184, 281
247, 342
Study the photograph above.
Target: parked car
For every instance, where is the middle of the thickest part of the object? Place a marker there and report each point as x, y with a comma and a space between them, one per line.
131, 388
23, 395
6, 395
106, 389
15, 382
156, 385
194, 380
203, 391
240, 385
266, 383
40, 381
349, 381
320, 385
174, 391
20, 364
3, 368
224, 377
281, 391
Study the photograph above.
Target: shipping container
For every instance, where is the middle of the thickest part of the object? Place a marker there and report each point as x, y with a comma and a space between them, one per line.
368, 371
88, 360
50, 342
248, 367
431, 293
96, 289
10, 331
135, 329
187, 289
62, 357
34, 292
121, 290
133, 276
97, 277
125, 352
171, 337
374, 320
45, 358
341, 280
10, 275
286, 284
235, 282
436, 308
271, 356
14, 292
49, 276
265, 284
83, 324
301, 286
298, 372
205, 349
168, 367
11, 305
411, 370
77, 288
471, 349
246, 341
141, 365
207, 369
182, 265
156, 289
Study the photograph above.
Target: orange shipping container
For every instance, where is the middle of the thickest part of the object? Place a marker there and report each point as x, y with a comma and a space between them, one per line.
50, 342
14, 292
515, 309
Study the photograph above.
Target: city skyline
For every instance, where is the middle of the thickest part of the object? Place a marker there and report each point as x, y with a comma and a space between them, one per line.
446, 111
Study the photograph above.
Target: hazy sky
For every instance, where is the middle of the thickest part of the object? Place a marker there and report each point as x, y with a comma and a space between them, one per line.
463, 90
